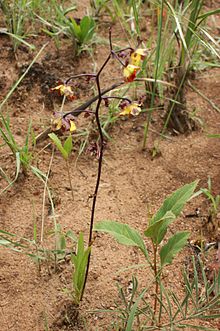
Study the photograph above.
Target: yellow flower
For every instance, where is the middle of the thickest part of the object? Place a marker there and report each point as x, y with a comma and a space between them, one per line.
65, 90
72, 126
134, 65
66, 123
57, 124
130, 72
131, 109
137, 56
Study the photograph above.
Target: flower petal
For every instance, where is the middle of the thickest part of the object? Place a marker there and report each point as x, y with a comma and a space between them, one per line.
65, 90
130, 72
132, 109
57, 123
72, 126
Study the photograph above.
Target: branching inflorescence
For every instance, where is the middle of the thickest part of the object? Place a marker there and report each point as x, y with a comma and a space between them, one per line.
130, 59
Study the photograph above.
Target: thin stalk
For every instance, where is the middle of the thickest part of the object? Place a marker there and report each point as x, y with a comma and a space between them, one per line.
146, 125
69, 177
118, 98
82, 108
44, 197
99, 168
212, 104
155, 248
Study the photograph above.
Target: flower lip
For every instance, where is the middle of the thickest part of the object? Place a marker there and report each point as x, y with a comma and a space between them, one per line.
64, 90
66, 123
131, 109
130, 72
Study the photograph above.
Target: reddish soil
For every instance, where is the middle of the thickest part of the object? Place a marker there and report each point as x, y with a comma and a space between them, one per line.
132, 182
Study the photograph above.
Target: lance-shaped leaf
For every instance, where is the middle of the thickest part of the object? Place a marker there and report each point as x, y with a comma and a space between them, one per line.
176, 201
64, 149
68, 144
168, 212
80, 261
59, 145
173, 246
123, 233
157, 230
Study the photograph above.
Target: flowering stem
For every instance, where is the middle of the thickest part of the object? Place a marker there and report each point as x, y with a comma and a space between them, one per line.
82, 108
99, 100
119, 98
69, 176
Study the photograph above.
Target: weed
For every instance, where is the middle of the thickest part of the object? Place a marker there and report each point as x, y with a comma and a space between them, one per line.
163, 298
83, 32
189, 43
101, 5
65, 151
80, 31
23, 154
16, 15
214, 202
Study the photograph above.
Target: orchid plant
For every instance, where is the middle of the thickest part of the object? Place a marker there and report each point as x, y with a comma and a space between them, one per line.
131, 60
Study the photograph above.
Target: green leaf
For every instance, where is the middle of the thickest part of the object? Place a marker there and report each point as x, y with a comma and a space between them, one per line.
58, 144
62, 242
173, 246
87, 26
133, 311
76, 29
123, 233
213, 135
209, 13
157, 231
71, 235
8, 233
68, 145
168, 212
80, 261
176, 201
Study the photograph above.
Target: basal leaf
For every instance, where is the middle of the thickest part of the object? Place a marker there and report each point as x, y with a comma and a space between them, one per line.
173, 246
123, 233
79, 261
87, 26
76, 29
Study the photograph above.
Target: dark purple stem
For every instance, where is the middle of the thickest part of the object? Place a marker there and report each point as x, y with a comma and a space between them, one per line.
117, 58
114, 97
99, 100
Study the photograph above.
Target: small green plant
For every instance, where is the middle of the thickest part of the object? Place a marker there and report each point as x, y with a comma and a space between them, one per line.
214, 202
200, 300
163, 254
65, 151
16, 14
84, 31
36, 251
81, 33
190, 35
23, 155
79, 261
101, 5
